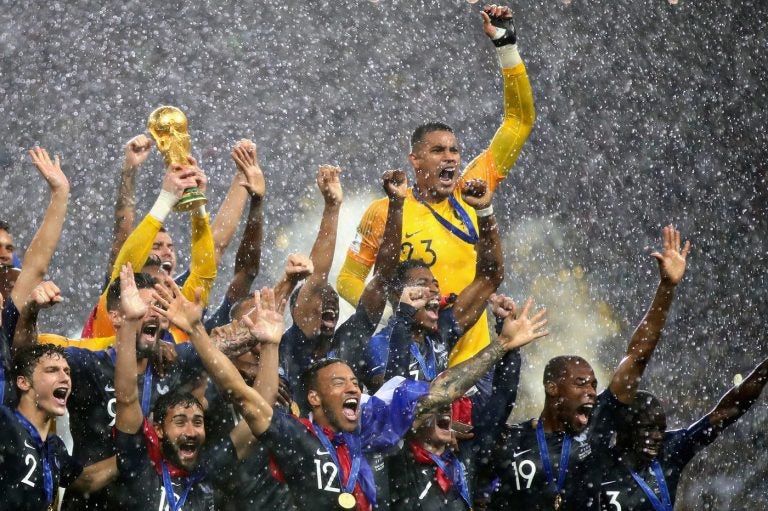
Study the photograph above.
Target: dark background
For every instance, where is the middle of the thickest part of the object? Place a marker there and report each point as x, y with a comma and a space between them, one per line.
647, 113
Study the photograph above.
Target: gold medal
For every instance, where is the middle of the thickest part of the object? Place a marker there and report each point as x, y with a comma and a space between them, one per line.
558, 501
347, 500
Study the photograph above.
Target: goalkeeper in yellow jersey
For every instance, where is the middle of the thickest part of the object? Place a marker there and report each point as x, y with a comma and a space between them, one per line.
438, 226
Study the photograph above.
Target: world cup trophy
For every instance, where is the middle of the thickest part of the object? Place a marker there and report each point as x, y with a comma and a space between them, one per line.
168, 127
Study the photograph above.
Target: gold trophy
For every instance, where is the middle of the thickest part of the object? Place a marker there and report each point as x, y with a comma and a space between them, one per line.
168, 127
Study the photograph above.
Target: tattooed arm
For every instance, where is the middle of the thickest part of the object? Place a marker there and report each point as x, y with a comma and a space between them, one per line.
453, 383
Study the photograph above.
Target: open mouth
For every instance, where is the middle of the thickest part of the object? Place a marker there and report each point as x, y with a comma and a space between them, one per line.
446, 174
443, 422
432, 307
188, 451
60, 395
349, 408
583, 413
149, 331
166, 266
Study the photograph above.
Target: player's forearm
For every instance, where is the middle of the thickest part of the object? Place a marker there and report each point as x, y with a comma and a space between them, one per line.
374, 297
96, 476
490, 259
43, 245
642, 345
137, 247
125, 211
248, 257
351, 280
25, 334
325, 244
221, 370
455, 381
227, 218
740, 398
267, 379
129, 416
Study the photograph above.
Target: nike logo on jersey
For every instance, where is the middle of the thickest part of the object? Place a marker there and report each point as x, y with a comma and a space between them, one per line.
109, 388
321, 453
27, 445
412, 234
516, 454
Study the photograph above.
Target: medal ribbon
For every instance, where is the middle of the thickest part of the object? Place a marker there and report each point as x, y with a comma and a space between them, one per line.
429, 366
172, 503
44, 456
544, 454
457, 474
354, 454
665, 504
470, 236
146, 396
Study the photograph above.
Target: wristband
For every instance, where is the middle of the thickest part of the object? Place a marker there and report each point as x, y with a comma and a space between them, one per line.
163, 205
485, 212
508, 56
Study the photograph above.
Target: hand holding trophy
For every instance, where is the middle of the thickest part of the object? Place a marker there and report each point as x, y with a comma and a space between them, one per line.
168, 127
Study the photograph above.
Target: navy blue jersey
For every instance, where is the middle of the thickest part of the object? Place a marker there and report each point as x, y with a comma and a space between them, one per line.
246, 484
389, 352
605, 482
21, 465
413, 486
220, 317
516, 459
140, 486
92, 404
307, 466
298, 352
7, 385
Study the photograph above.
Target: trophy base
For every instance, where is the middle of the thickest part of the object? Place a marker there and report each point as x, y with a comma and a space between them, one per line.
192, 199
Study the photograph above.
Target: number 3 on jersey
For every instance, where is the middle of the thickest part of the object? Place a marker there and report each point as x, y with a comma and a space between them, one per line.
429, 256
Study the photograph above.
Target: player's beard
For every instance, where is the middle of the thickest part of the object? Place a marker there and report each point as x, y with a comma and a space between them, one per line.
171, 453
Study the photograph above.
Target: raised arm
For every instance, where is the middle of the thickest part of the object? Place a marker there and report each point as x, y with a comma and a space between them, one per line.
494, 164
40, 251
267, 327
297, 268
671, 261
374, 297
136, 152
454, 382
128, 416
248, 179
309, 302
248, 254
489, 268
739, 399
46, 294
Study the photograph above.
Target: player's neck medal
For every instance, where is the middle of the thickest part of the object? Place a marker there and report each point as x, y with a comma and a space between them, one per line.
347, 500
547, 465
470, 236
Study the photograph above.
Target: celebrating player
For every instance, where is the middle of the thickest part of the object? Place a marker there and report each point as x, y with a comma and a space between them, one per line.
438, 227
532, 458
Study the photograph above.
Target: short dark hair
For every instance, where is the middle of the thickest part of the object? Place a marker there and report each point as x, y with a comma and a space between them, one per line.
168, 401
143, 281
421, 131
309, 376
5, 226
557, 367
26, 358
400, 276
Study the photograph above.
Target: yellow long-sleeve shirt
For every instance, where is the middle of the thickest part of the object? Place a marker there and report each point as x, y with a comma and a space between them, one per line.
451, 260
136, 249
